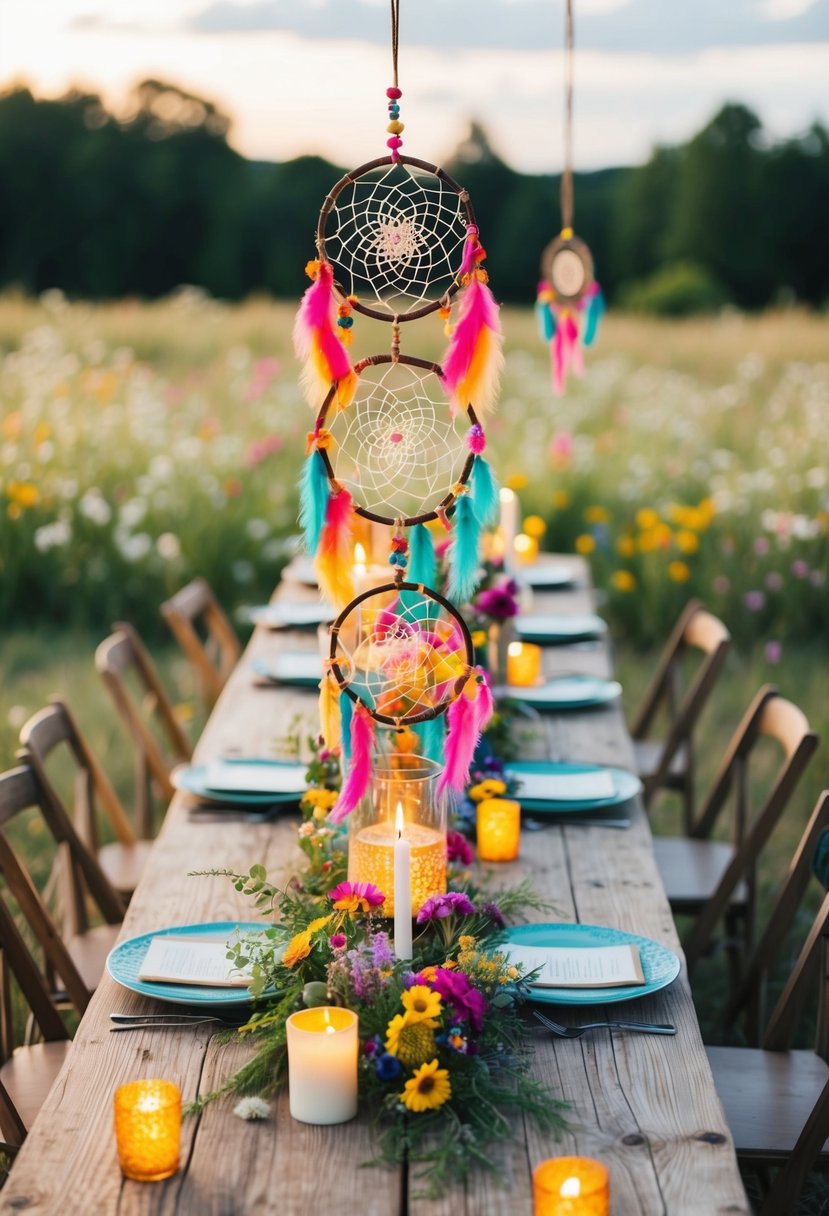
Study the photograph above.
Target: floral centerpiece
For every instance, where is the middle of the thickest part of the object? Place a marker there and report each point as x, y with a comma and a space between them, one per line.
444, 1051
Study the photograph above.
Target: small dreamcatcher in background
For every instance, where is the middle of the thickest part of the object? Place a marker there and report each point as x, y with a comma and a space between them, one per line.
569, 302
399, 442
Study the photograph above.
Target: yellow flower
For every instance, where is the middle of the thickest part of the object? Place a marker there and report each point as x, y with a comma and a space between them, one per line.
535, 526
428, 1089
597, 515
518, 481
686, 541
23, 493
623, 580
466, 942
299, 947
410, 1040
421, 1004
317, 797
646, 518
585, 544
625, 546
679, 572
490, 788
479, 638
561, 499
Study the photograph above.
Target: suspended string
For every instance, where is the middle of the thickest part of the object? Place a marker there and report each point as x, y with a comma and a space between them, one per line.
567, 173
395, 38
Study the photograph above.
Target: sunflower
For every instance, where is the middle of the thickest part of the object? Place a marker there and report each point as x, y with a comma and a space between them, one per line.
411, 1042
421, 1004
428, 1089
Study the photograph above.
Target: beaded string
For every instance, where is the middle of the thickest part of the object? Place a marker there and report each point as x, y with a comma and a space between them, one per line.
393, 93
399, 556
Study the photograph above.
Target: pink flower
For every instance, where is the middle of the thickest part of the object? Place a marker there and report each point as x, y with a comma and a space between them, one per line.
773, 652
466, 1001
337, 941
437, 907
800, 568
356, 897
458, 848
754, 600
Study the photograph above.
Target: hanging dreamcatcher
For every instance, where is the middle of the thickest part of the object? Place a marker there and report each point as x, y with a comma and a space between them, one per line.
399, 441
570, 302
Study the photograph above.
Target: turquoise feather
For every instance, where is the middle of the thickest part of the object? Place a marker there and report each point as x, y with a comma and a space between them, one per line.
314, 492
546, 320
463, 551
432, 736
422, 568
346, 710
594, 313
485, 499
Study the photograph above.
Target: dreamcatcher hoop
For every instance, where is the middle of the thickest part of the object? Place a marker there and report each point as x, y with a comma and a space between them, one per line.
447, 503
454, 686
567, 265
393, 227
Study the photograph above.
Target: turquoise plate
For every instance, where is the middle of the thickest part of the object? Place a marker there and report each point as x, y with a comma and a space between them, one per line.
626, 785
546, 629
285, 614
193, 779
124, 963
660, 966
301, 668
546, 577
567, 692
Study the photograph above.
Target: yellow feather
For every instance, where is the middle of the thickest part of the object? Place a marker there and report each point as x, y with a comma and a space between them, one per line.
334, 577
479, 387
330, 723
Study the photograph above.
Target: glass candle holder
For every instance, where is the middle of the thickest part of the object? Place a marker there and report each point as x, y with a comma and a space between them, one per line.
323, 1049
523, 664
148, 1129
406, 783
571, 1186
498, 822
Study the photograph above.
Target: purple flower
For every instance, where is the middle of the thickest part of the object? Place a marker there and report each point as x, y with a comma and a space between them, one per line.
774, 580
458, 848
382, 954
498, 602
372, 1046
761, 546
388, 1067
800, 568
466, 1001
439, 906
721, 584
494, 913
754, 600
773, 652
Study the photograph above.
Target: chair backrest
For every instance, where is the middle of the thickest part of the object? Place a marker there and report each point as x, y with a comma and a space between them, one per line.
750, 997
54, 730
680, 697
118, 657
205, 635
21, 789
754, 817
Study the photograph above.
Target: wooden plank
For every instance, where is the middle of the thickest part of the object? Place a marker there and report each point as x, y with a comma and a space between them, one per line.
646, 1106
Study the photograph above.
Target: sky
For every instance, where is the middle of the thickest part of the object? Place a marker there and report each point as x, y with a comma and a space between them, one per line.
300, 76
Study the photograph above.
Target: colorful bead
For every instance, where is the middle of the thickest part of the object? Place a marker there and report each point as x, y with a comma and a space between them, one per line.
396, 127
394, 142
394, 93
345, 322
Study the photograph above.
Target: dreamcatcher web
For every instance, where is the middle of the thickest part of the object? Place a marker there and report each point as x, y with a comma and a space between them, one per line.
396, 235
402, 658
396, 448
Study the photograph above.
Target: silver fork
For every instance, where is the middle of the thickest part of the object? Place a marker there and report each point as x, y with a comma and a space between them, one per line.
153, 1021
575, 1032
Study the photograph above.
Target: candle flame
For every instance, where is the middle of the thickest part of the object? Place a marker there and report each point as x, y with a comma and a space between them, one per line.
398, 819
570, 1188
523, 543
329, 1029
359, 557
506, 494
515, 649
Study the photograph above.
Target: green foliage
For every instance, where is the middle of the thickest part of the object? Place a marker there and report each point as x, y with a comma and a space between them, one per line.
679, 289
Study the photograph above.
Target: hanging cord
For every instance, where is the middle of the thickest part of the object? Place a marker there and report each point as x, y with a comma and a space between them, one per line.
567, 173
395, 127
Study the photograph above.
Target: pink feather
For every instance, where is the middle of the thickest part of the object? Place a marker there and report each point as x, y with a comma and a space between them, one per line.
564, 344
473, 361
466, 718
315, 338
358, 777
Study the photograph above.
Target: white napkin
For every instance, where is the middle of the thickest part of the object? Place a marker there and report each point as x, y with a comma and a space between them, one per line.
237, 777
565, 787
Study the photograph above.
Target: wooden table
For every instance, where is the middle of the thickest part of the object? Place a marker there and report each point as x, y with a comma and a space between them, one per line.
645, 1105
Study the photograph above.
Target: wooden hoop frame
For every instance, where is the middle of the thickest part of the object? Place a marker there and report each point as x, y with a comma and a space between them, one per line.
427, 715
350, 178
448, 502
575, 245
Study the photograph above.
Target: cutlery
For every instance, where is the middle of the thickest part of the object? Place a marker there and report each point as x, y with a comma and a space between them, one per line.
575, 1032
151, 1021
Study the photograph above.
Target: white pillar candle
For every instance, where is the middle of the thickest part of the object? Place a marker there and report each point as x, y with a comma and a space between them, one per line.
509, 523
323, 1049
402, 890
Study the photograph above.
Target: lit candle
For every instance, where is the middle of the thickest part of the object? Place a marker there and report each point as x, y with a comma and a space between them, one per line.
498, 822
148, 1129
402, 890
509, 521
523, 664
364, 576
359, 567
371, 858
322, 1064
571, 1186
526, 549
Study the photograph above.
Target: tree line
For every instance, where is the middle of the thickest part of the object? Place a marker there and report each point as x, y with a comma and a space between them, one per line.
103, 205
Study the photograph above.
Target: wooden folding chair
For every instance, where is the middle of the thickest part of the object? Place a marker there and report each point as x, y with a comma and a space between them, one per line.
668, 763
53, 732
776, 1100
118, 657
76, 958
715, 880
205, 635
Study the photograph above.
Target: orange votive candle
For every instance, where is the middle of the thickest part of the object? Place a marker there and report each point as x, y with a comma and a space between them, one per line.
526, 549
571, 1186
499, 829
523, 664
148, 1129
